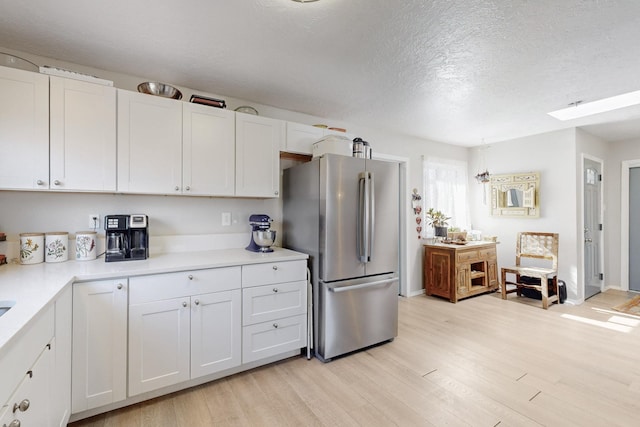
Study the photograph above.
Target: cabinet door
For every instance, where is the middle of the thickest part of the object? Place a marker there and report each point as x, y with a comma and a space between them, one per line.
300, 138
440, 273
492, 266
463, 281
99, 344
208, 151
83, 136
258, 155
216, 332
149, 144
159, 337
60, 390
24, 130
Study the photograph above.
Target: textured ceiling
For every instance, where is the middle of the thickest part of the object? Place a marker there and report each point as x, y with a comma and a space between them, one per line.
451, 71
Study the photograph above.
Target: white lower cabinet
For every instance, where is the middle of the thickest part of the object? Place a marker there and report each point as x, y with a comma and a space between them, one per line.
183, 326
99, 367
274, 300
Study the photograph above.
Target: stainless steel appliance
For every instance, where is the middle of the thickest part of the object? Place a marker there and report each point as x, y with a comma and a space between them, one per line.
343, 212
261, 236
127, 237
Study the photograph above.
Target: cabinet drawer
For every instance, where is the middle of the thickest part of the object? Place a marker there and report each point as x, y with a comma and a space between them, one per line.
263, 303
274, 337
467, 256
158, 287
20, 355
273, 272
488, 253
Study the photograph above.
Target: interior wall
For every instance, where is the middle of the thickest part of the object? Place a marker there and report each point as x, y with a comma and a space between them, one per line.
553, 155
617, 153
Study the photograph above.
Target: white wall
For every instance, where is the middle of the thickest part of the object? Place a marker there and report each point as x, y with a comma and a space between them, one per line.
554, 156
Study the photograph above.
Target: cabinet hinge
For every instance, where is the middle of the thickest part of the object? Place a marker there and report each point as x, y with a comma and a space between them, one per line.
600, 177
601, 276
600, 227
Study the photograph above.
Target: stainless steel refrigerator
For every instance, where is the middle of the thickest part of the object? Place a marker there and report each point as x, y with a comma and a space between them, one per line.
343, 212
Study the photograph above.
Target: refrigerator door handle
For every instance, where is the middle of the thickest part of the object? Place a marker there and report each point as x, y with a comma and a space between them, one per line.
372, 218
362, 220
362, 285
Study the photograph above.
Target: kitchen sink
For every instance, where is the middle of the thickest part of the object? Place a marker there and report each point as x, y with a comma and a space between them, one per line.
6, 306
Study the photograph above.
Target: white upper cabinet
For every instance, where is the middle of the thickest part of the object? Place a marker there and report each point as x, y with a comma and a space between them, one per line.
300, 138
83, 136
258, 155
24, 130
149, 144
208, 151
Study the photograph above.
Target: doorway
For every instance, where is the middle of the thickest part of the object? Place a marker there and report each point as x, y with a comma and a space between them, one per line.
592, 255
634, 229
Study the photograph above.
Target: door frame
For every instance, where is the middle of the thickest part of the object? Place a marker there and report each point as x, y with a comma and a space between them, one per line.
403, 268
624, 221
581, 295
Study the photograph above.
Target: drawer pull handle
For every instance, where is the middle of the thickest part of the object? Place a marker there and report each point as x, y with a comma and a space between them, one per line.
275, 267
40, 182
14, 423
184, 304
197, 302
119, 286
56, 182
22, 406
177, 188
275, 325
275, 290
190, 277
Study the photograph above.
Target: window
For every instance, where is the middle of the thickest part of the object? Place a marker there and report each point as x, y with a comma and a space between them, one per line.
445, 189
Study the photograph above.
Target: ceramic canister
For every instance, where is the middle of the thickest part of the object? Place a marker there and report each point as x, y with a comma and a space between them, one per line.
56, 246
31, 248
86, 245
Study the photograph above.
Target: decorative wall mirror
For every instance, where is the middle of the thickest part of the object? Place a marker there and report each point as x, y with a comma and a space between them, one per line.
515, 195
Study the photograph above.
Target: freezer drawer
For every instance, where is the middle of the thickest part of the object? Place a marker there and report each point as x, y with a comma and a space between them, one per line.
355, 314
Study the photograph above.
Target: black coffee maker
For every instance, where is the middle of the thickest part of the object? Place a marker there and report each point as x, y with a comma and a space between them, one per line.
127, 237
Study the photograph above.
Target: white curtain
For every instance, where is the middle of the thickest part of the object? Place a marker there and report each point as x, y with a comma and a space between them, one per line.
445, 189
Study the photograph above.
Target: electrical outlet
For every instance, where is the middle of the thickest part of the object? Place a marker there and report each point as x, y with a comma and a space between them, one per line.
94, 221
226, 219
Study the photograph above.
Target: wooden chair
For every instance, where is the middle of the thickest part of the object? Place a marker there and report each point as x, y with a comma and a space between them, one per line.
538, 246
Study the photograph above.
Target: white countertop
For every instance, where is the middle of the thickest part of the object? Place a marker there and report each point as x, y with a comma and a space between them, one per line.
33, 287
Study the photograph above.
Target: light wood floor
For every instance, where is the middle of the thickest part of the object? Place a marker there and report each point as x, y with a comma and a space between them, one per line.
480, 362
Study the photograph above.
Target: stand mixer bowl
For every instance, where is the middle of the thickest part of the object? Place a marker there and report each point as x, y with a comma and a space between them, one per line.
264, 239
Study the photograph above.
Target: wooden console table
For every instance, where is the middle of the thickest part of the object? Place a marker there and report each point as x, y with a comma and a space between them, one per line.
460, 271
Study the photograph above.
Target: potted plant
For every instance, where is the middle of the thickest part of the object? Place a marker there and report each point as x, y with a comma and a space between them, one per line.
438, 221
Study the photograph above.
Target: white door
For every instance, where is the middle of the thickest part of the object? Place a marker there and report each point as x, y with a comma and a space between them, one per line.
159, 346
208, 151
83, 135
258, 142
149, 144
634, 229
24, 129
216, 328
99, 344
592, 228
